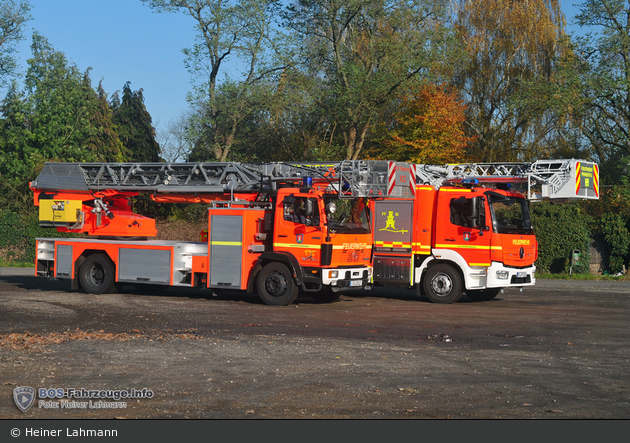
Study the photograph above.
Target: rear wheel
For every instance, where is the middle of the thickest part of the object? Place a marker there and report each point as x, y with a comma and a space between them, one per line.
443, 284
483, 294
96, 275
276, 285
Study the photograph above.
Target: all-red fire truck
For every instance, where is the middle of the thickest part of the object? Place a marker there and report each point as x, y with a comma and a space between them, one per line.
466, 231
273, 228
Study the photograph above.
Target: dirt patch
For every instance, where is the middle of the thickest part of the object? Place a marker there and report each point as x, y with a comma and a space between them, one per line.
39, 342
180, 230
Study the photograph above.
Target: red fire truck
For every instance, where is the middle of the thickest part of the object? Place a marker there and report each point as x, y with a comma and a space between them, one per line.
273, 228
466, 231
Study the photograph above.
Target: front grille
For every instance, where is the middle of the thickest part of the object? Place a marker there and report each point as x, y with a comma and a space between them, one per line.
518, 267
348, 275
520, 280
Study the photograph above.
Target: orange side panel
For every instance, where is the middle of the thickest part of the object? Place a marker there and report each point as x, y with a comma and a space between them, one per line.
424, 213
199, 266
111, 249
124, 224
251, 246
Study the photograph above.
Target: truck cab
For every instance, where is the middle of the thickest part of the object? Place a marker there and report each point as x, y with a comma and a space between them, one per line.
455, 239
486, 235
303, 239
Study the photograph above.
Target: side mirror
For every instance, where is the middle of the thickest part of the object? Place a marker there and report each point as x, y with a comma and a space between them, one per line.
474, 216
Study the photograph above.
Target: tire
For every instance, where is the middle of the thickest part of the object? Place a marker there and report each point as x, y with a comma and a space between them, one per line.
443, 284
276, 286
96, 275
325, 295
483, 294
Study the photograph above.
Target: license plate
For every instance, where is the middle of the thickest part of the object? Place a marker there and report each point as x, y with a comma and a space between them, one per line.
356, 283
521, 274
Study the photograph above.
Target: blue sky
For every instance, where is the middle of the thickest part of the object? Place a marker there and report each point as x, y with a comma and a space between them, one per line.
124, 40
121, 40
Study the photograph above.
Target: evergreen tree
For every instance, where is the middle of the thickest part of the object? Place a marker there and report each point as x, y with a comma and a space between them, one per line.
58, 105
104, 138
14, 137
135, 127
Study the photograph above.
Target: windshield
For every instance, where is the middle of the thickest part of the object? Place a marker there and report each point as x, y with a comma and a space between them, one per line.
510, 215
347, 216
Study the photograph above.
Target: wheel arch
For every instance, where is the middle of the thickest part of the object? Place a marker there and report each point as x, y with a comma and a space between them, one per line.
281, 257
450, 263
81, 258
451, 258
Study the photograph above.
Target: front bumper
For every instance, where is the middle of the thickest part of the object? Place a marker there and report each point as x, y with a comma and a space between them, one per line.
501, 276
347, 278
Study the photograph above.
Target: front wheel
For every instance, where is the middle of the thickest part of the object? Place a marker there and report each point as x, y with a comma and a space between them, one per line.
483, 294
96, 275
276, 286
443, 284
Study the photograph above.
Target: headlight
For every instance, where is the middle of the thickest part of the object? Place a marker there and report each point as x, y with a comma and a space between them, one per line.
503, 275
333, 274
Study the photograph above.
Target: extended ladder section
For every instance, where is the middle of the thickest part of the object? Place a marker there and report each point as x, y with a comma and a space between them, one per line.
556, 180
352, 178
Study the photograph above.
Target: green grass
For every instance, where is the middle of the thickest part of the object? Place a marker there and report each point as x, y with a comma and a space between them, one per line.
13, 264
582, 277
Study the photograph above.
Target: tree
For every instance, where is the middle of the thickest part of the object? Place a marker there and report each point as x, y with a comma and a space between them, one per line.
57, 117
59, 107
605, 74
355, 55
14, 138
237, 31
104, 138
507, 43
428, 128
176, 140
134, 126
13, 15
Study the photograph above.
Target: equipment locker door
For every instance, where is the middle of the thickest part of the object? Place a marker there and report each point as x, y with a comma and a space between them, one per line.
226, 243
393, 229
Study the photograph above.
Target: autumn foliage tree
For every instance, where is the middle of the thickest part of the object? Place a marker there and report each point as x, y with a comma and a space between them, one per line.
428, 128
354, 56
508, 43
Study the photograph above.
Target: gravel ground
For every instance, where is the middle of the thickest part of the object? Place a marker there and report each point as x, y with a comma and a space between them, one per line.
555, 351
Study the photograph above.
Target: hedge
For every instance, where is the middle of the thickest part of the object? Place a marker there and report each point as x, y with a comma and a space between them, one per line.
560, 229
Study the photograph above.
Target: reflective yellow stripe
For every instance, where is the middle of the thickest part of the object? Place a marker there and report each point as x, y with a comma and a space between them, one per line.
421, 246
455, 190
226, 243
395, 244
296, 245
367, 246
478, 264
451, 246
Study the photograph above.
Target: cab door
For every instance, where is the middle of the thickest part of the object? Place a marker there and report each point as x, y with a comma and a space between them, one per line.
463, 226
298, 229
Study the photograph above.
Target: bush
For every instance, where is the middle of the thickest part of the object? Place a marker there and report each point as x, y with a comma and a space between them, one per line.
618, 239
559, 229
18, 233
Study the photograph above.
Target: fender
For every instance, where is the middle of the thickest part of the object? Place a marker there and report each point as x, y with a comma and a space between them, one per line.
74, 283
458, 262
279, 256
